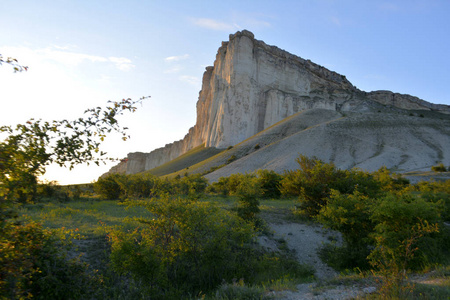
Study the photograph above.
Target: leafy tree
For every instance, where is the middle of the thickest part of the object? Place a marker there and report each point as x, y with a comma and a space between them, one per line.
433, 191
34, 262
14, 63
28, 148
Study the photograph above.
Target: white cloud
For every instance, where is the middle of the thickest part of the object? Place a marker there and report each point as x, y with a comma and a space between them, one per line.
196, 81
177, 58
69, 58
174, 69
215, 25
72, 59
255, 24
122, 63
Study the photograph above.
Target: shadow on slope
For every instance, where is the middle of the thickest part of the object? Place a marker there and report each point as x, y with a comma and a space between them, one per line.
403, 141
184, 161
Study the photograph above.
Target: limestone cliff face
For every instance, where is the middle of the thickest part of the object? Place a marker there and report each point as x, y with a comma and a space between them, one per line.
253, 86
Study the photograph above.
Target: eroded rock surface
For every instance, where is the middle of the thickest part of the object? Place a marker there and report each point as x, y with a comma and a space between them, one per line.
252, 86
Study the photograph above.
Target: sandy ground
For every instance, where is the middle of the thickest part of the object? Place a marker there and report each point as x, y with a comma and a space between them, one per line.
306, 240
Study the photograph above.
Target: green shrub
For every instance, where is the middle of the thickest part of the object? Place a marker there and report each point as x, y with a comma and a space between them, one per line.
439, 168
270, 183
390, 182
193, 186
386, 223
46, 189
138, 186
397, 237
248, 192
229, 186
434, 191
231, 159
188, 247
400, 223
109, 187
314, 180
35, 264
349, 214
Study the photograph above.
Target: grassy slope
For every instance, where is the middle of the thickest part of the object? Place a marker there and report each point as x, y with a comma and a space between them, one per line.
269, 135
184, 161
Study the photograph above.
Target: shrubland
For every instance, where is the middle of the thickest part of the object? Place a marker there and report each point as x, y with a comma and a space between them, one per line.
198, 238
181, 237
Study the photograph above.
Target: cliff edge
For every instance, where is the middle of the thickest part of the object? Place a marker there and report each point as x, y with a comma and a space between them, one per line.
252, 86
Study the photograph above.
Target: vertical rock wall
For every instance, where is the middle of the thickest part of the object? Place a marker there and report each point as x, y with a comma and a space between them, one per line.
253, 86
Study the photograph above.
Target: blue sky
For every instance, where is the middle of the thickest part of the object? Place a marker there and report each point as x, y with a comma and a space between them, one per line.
82, 53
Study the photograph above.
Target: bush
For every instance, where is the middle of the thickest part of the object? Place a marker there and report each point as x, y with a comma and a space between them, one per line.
248, 192
46, 189
389, 182
270, 183
231, 159
188, 247
349, 214
434, 191
400, 223
35, 264
386, 224
229, 186
439, 168
137, 186
193, 186
314, 180
109, 187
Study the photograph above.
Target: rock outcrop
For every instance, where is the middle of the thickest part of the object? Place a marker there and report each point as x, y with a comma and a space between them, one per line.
252, 86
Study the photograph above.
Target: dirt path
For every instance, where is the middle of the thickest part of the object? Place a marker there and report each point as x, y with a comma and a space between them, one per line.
306, 240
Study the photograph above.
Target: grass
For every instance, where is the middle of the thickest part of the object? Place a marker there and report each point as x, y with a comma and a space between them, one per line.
185, 161
88, 217
91, 218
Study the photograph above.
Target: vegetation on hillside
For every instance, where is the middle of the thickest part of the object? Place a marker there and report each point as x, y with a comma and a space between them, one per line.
183, 238
192, 241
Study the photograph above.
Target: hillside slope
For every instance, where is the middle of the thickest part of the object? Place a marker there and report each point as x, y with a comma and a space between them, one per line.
400, 140
252, 86
364, 140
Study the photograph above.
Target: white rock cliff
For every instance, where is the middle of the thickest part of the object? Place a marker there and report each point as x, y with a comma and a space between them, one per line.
253, 86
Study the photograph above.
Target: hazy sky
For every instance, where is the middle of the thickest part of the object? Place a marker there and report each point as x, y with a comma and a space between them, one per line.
82, 53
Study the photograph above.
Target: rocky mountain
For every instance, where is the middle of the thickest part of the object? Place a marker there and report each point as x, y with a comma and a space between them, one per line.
253, 86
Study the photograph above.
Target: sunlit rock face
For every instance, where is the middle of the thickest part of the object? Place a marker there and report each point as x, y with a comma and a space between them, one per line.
252, 86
